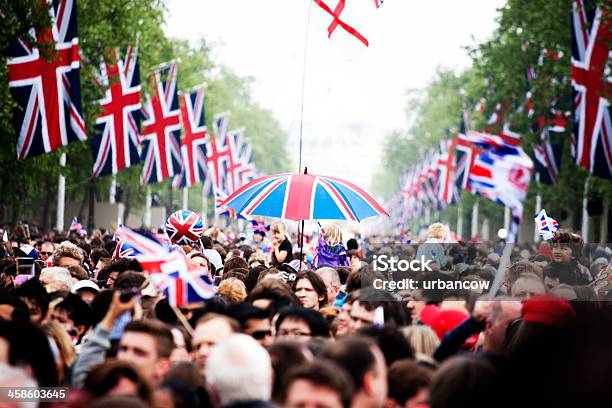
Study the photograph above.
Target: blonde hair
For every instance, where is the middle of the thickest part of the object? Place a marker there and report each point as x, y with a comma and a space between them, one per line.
436, 230
422, 339
69, 250
333, 235
234, 289
279, 226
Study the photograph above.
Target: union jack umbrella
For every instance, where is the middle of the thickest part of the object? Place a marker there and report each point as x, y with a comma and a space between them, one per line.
116, 145
181, 281
162, 127
124, 249
184, 227
303, 197
47, 88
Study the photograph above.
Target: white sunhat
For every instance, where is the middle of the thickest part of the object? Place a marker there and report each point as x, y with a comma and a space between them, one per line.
85, 284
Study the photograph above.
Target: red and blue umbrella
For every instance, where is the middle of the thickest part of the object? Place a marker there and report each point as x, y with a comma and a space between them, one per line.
303, 197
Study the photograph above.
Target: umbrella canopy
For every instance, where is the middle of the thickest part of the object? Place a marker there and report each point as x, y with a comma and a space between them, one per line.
303, 197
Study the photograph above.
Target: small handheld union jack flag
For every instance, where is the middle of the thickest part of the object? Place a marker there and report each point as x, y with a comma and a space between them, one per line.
547, 227
169, 269
184, 227
77, 227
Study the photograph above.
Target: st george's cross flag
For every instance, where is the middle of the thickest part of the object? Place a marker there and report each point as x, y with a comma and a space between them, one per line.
116, 142
47, 88
591, 35
161, 153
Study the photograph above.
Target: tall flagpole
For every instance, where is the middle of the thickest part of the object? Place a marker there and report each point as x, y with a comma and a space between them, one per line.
147, 212
460, 220
507, 219
113, 190
585, 213
474, 220
303, 87
538, 207
185, 198
61, 194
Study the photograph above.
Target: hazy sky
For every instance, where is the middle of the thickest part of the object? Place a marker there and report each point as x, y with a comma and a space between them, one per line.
349, 103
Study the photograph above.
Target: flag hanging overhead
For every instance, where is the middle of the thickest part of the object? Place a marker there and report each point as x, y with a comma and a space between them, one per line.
193, 145
116, 144
216, 153
591, 36
343, 22
47, 88
161, 129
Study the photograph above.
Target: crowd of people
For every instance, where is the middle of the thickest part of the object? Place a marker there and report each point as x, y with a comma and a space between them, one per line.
79, 312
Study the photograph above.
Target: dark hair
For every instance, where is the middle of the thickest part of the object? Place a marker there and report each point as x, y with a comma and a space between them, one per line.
570, 239
157, 329
362, 278
238, 273
97, 254
315, 320
35, 292
252, 277
243, 312
324, 374
105, 376
78, 310
317, 284
406, 378
465, 382
29, 346
285, 356
119, 265
275, 290
391, 342
129, 280
352, 244
207, 242
371, 298
77, 272
343, 273
20, 309
234, 263
100, 305
355, 355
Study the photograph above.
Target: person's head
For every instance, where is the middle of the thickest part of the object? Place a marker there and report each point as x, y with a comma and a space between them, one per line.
235, 263
422, 338
310, 290
300, 324
201, 260
56, 279
279, 231
210, 330
234, 289
254, 322
97, 254
271, 292
238, 370
66, 353
147, 344
101, 264
114, 377
74, 315
391, 342
331, 279
436, 231
344, 325
333, 235
13, 308
526, 286
36, 298
408, 385
365, 364
503, 312
109, 274
364, 308
318, 384
286, 355
465, 382
86, 290
522, 268
130, 280
566, 246
67, 254
46, 250
77, 273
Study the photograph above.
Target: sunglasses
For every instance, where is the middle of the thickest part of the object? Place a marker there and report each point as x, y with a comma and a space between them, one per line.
47, 253
260, 334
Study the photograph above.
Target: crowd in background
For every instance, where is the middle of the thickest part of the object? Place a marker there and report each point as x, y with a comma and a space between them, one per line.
79, 312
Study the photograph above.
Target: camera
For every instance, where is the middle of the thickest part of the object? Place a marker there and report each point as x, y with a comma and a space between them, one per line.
127, 294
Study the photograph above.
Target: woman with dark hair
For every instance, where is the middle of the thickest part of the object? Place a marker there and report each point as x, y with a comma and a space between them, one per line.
310, 290
116, 377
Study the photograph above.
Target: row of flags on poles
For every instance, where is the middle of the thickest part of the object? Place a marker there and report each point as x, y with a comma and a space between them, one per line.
493, 164
129, 130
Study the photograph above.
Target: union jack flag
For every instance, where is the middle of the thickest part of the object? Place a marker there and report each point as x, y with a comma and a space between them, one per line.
465, 154
184, 227
447, 193
193, 145
378, 3
547, 227
47, 89
77, 227
123, 249
116, 145
247, 168
181, 281
220, 209
547, 157
233, 140
217, 153
592, 134
162, 128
